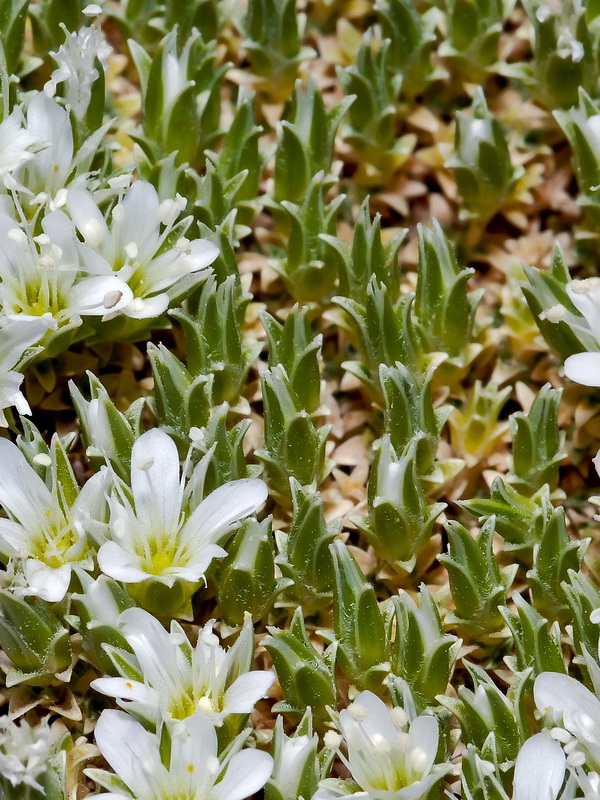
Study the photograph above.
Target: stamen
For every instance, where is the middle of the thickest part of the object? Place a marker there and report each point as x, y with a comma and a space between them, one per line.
554, 313
381, 745
399, 717
209, 638
93, 232
561, 735
576, 758
112, 298
358, 712
118, 213
131, 249
137, 304
418, 759
332, 740
19, 237
205, 705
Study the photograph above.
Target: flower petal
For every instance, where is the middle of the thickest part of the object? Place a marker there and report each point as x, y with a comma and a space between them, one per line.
13, 538
247, 772
123, 689
140, 219
583, 368
224, 507
147, 307
569, 699
48, 583
246, 691
424, 733
539, 769
193, 750
131, 751
155, 481
19, 334
50, 122
103, 294
154, 650
378, 721
117, 563
87, 217
194, 568
23, 494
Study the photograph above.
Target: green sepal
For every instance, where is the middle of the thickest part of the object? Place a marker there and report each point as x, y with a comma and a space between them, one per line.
421, 653
536, 442
292, 345
306, 678
246, 580
304, 556
368, 255
413, 37
34, 640
547, 288
443, 307
537, 646
481, 162
400, 522
409, 412
384, 332
214, 342
557, 74
520, 519
107, 433
554, 558
478, 585
359, 626
273, 46
181, 401
473, 36
308, 268
488, 709
166, 598
293, 447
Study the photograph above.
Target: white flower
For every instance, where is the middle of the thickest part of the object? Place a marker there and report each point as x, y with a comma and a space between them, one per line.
539, 769
387, 759
15, 337
48, 274
569, 704
76, 60
153, 534
56, 166
24, 753
99, 600
582, 368
180, 680
49, 539
16, 143
295, 759
134, 245
193, 766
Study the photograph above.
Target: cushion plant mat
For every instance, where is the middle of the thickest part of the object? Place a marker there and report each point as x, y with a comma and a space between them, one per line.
299, 396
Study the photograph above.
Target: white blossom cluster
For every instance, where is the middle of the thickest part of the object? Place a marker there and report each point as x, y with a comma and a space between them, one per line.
74, 248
